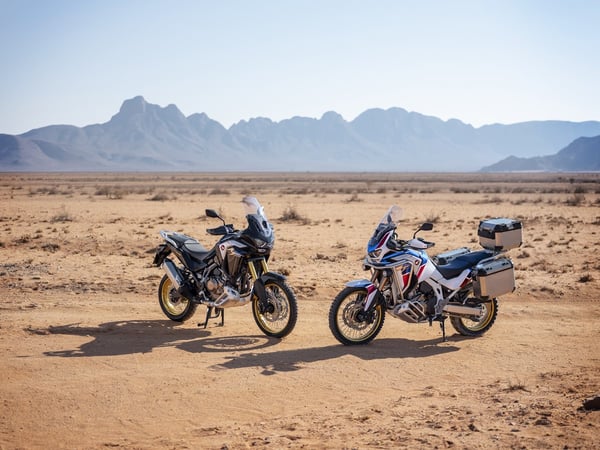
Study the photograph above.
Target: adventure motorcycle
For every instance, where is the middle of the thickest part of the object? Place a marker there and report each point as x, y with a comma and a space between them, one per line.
233, 273
406, 283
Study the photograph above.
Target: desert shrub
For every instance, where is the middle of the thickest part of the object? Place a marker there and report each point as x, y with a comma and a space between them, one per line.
291, 214
50, 247
464, 190
63, 216
331, 258
23, 239
575, 200
160, 197
298, 191
433, 217
284, 271
45, 190
489, 200
354, 198
518, 386
586, 278
218, 191
110, 192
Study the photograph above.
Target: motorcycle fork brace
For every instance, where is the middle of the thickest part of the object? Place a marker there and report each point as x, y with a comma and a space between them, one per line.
210, 314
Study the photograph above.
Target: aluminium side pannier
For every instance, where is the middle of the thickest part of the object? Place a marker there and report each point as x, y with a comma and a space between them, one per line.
494, 278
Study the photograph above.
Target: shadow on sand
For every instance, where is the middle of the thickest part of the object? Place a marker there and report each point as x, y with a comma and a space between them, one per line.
142, 336
130, 337
291, 360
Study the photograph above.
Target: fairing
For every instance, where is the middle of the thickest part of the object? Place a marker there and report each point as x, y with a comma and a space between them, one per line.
387, 223
259, 228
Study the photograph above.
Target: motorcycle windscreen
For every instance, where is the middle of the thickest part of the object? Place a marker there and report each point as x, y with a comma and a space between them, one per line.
253, 207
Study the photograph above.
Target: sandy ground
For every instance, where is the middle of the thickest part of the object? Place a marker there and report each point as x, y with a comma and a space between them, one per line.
88, 361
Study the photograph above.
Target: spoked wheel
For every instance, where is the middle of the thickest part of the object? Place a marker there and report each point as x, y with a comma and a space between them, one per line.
476, 326
175, 306
348, 321
276, 317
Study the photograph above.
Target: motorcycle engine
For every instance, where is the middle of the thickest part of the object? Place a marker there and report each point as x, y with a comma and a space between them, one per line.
416, 308
214, 284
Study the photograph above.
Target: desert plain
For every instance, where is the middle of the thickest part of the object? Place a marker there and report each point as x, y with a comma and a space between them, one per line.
89, 361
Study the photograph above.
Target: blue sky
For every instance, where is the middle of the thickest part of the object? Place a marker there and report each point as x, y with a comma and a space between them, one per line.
505, 61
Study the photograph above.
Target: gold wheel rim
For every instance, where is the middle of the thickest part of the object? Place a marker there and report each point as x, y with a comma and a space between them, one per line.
487, 318
174, 308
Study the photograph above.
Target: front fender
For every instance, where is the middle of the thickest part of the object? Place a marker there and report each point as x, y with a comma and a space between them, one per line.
364, 283
373, 295
259, 284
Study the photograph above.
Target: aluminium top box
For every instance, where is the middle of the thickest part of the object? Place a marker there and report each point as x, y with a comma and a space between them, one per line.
500, 234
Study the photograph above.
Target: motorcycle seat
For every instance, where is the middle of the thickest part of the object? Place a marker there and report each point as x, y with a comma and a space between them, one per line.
462, 262
195, 249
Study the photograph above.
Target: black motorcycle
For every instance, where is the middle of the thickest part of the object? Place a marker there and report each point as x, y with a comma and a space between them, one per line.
233, 273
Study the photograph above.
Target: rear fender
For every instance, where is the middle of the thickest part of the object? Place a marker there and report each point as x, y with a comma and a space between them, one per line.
162, 251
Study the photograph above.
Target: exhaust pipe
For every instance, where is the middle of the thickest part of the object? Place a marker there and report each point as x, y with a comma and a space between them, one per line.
461, 310
172, 272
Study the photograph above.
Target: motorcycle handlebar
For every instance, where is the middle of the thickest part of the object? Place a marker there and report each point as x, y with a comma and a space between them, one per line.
396, 244
223, 229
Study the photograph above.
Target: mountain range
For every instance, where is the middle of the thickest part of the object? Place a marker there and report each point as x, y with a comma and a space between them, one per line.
583, 154
146, 137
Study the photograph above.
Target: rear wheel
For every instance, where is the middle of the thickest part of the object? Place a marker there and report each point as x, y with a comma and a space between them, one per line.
349, 322
175, 306
276, 315
476, 326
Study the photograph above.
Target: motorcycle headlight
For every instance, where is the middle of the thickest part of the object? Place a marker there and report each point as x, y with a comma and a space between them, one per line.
375, 253
260, 243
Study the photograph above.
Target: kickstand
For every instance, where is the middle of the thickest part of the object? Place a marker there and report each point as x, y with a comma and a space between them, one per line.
443, 327
442, 320
219, 312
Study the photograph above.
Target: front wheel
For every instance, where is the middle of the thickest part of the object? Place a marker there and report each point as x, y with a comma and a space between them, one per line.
349, 322
476, 326
277, 313
174, 305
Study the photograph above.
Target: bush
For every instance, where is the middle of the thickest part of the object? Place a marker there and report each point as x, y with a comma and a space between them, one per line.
290, 214
586, 278
159, 198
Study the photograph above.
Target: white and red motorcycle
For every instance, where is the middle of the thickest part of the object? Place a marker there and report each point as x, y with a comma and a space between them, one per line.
405, 282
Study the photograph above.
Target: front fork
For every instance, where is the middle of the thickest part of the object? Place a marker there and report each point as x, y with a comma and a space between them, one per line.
259, 272
261, 263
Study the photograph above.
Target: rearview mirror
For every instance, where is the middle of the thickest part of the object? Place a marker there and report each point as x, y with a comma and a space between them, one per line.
427, 226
